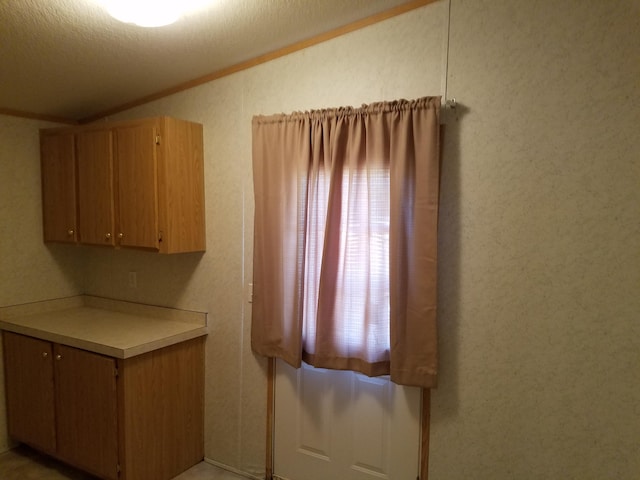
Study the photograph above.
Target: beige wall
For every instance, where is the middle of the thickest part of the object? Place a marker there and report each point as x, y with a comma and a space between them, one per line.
29, 270
539, 240
540, 244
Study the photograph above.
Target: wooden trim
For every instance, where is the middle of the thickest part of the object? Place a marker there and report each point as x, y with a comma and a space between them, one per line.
281, 52
36, 116
271, 383
424, 433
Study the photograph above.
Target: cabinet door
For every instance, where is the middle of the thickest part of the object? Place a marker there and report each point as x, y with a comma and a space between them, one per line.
181, 215
86, 409
30, 391
58, 187
137, 185
95, 187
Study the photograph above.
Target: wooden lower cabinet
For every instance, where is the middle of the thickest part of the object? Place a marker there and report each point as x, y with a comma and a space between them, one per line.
140, 418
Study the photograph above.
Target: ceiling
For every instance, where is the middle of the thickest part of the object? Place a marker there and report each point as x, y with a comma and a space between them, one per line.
69, 59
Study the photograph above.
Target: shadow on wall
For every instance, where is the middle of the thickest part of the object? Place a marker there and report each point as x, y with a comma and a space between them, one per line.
129, 275
446, 396
69, 264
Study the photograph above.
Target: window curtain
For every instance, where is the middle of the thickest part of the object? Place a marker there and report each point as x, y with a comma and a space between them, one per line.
345, 239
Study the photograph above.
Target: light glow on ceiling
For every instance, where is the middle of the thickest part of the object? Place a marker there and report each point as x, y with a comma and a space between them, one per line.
152, 13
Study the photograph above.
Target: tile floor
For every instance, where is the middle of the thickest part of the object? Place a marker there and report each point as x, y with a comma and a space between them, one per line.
22, 463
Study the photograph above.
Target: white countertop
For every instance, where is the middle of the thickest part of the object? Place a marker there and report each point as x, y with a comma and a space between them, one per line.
109, 327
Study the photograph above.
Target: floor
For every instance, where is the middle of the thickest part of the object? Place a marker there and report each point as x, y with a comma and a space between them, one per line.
22, 463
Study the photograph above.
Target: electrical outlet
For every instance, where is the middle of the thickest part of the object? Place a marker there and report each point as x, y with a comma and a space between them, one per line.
133, 279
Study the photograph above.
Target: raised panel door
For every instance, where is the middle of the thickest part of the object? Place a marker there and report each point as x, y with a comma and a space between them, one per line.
58, 187
30, 391
86, 409
137, 185
342, 424
95, 187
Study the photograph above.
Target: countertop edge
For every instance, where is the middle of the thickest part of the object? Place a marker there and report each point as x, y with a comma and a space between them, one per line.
17, 319
119, 353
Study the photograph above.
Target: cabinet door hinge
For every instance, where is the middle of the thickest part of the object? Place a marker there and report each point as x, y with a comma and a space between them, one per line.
115, 372
118, 469
157, 139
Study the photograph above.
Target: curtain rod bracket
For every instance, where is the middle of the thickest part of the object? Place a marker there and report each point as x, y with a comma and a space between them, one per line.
449, 111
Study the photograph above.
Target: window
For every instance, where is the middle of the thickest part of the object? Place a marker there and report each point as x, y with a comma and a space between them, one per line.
346, 208
360, 285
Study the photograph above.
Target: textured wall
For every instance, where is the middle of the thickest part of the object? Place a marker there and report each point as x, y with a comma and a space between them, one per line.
540, 244
29, 270
539, 240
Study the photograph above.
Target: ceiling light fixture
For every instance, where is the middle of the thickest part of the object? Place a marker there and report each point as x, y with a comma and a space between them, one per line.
151, 13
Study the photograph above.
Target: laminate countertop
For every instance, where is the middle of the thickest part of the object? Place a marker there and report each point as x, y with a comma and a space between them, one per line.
109, 327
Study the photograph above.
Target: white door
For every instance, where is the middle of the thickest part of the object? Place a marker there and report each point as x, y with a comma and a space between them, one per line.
340, 425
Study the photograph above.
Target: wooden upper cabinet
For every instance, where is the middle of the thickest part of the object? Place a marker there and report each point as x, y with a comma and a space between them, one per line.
58, 188
94, 151
140, 184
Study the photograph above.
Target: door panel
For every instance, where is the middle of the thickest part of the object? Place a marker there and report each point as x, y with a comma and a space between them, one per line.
30, 391
95, 187
314, 435
58, 187
340, 424
137, 186
87, 410
370, 395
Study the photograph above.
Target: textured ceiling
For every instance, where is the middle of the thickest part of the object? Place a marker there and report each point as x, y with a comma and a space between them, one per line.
70, 59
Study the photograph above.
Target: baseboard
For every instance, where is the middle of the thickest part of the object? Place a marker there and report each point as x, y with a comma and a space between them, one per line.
231, 469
